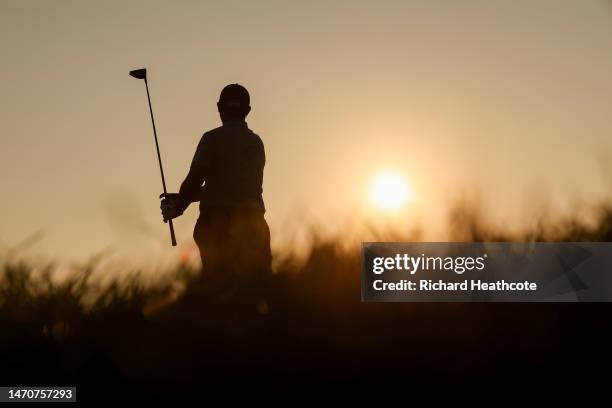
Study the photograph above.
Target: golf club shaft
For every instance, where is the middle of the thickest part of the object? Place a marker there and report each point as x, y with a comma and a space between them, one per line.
161, 168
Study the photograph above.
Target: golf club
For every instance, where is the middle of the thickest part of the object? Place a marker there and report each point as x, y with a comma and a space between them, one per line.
142, 74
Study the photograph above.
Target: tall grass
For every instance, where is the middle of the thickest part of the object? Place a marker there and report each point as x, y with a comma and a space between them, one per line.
304, 326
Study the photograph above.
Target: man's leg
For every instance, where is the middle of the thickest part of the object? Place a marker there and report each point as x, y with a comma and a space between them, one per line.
250, 237
235, 252
211, 234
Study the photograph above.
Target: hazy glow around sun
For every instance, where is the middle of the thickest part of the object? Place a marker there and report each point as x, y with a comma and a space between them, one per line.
390, 191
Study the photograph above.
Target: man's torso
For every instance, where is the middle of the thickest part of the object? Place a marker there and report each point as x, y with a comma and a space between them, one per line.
233, 159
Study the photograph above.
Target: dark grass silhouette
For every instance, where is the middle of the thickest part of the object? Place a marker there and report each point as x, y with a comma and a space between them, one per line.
304, 329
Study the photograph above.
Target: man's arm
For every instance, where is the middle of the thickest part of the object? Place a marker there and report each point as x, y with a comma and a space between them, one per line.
174, 205
190, 187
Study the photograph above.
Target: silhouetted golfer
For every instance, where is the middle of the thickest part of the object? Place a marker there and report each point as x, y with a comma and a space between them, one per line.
231, 232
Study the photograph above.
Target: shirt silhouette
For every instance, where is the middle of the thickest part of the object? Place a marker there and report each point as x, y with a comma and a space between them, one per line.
231, 159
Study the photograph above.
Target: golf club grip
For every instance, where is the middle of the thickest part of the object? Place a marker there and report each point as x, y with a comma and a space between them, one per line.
172, 237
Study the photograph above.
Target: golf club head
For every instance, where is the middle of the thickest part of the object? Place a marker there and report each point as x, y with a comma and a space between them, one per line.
139, 73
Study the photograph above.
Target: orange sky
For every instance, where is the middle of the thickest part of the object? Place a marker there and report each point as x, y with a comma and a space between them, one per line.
512, 97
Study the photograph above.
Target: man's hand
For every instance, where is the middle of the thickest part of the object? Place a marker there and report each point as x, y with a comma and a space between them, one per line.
171, 206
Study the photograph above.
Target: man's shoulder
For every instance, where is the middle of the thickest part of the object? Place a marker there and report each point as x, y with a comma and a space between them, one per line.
213, 132
256, 137
219, 133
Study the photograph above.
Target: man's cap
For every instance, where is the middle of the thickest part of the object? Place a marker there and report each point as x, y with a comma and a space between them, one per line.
234, 96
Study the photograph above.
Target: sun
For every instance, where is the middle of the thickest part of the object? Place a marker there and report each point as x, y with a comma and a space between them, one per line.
390, 191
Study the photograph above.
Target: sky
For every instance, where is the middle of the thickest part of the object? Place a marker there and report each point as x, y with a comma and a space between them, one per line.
509, 98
